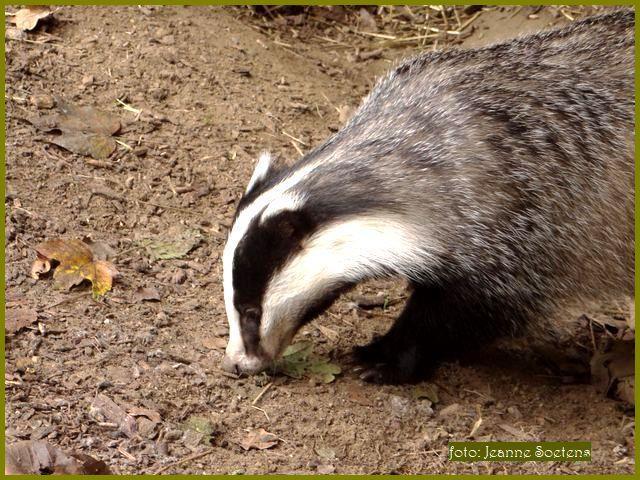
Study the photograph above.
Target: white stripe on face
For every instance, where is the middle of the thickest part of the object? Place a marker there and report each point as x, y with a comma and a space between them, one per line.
235, 347
347, 251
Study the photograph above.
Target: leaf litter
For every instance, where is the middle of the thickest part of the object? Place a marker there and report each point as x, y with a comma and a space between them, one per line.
297, 361
84, 130
259, 439
29, 457
28, 18
76, 264
174, 244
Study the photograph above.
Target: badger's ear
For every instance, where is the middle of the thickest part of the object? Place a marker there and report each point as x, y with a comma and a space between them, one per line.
292, 224
260, 173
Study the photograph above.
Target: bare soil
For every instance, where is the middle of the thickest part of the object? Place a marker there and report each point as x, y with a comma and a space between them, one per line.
215, 86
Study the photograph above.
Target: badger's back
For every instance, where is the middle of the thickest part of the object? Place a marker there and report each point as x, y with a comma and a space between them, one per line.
515, 162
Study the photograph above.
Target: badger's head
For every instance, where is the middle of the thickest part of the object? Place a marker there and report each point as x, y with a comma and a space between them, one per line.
289, 255
270, 288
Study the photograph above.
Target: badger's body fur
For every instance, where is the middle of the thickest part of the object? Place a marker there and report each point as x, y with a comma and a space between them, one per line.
498, 181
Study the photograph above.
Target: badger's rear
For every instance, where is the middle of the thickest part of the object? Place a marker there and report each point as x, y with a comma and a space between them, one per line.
498, 181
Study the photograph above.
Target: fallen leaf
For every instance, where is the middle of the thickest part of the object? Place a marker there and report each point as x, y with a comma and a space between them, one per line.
202, 426
28, 18
41, 458
75, 119
178, 246
150, 414
19, 318
76, 263
146, 294
326, 371
259, 439
297, 361
105, 409
88, 144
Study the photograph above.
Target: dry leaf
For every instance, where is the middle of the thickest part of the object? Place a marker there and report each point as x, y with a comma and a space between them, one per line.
145, 412
41, 458
148, 294
106, 408
259, 439
28, 18
78, 120
77, 263
88, 144
19, 318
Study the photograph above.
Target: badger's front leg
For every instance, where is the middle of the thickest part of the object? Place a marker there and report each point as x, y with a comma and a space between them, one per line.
399, 356
437, 322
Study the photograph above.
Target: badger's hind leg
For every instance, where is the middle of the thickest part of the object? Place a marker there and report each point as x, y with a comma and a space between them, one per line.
436, 323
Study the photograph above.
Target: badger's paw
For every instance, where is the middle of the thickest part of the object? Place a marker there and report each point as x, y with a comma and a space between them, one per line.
378, 364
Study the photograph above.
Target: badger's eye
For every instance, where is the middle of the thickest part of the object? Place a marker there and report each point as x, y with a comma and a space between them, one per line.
253, 314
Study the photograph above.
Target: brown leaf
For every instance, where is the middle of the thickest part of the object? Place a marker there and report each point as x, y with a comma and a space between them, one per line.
77, 263
149, 294
88, 144
39, 457
19, 318
28, 18
145, 412
104, 407
259, 439
81, 120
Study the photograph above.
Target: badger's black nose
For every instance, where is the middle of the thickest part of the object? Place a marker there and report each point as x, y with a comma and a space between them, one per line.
229, 365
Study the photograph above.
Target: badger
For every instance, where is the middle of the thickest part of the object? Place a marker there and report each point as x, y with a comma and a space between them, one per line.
498, 182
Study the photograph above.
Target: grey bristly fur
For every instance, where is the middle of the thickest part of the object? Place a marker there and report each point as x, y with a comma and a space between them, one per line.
518, 157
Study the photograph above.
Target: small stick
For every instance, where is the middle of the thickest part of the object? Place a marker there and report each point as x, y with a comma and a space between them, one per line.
297, 148
265, 413
195, 456
126, 454
294, 138
261, 394
469, 22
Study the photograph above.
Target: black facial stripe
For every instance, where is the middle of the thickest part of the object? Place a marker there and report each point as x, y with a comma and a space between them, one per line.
250, 332
262, 252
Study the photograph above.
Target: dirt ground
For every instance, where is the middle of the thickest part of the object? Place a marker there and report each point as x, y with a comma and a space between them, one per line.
212, 88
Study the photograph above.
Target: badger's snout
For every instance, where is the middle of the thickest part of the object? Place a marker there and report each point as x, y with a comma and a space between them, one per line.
243, 364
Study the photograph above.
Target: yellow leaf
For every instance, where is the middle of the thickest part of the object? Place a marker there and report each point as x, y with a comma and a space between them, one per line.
77, 263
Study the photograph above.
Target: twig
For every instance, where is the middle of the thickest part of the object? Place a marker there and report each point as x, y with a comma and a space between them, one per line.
297, 148
265, 413
294, 138
195, 456
261, 394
